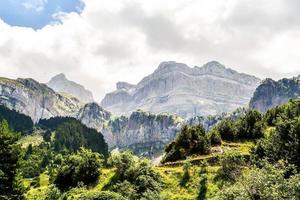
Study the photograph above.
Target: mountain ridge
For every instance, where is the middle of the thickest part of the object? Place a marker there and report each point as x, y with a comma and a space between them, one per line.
271, 93
36, 99
177, 88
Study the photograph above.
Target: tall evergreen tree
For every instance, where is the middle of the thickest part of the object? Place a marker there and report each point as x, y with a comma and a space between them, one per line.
10, 187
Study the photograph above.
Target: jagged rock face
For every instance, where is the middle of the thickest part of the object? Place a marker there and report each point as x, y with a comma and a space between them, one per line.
272, 93
140, 128
35, 99
143, 128
60, 83
177, 88
94, 116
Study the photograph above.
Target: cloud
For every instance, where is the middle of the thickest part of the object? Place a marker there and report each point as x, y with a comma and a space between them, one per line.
37, 5
125, 40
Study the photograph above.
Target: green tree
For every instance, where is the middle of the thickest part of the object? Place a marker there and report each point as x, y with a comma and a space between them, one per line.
215, 137
250, 126
227, 130
80, 167
47, 136
134, 178
10, 186
283, 143
191, 140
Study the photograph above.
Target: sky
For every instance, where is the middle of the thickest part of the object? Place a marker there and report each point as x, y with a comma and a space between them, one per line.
100, 42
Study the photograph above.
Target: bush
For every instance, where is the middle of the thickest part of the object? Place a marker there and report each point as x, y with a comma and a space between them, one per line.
102, 195
134, 178
52, 193
227, 130
268, 182
186, 173
231, 165
215, 137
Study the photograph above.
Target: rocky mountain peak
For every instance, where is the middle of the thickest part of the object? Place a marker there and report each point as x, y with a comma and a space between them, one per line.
34, 85
271, 93
169, 66
93, 115
60, 83
36, 99
94, 110
213, 66
124, 86
60, 76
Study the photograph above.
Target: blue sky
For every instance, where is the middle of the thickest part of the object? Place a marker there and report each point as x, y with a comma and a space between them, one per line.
35, 13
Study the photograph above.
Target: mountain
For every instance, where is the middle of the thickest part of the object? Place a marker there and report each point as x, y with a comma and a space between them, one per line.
177, 88
36, 100
60, 83
271, 93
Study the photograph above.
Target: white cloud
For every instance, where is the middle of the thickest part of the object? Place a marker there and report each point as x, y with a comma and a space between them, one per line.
37, 5
124, 40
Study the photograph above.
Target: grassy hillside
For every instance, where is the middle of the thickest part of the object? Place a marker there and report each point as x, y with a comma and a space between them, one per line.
171, 173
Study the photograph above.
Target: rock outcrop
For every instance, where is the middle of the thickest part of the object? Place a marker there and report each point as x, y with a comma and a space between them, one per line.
177, 88
61, 84
140, 129
35, 99
271, 93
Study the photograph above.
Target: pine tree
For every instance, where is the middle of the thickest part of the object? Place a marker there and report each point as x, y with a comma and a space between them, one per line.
10, 186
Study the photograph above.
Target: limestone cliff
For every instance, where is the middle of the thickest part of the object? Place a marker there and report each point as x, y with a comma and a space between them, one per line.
35, 99
271, 93
177, 88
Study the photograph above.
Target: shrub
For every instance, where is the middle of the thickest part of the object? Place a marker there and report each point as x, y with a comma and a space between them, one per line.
215, 137
227, 130
268, 182
231, 165
102, 195
186, 173
134, 179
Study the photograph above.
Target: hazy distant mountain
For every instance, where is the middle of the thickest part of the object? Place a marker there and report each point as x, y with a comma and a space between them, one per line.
271, 93
177, 88
60, 83
36, 100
